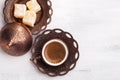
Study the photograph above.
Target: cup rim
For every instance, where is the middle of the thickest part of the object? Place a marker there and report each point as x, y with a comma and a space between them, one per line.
66, 52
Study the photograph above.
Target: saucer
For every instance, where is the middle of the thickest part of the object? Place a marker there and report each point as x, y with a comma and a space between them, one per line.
43, 16
62, 69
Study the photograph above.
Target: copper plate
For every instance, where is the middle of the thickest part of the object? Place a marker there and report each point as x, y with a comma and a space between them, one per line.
43, 16
68, 65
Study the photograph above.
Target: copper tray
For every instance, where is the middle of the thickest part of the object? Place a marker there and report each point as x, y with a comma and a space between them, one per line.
43, 17
68, 65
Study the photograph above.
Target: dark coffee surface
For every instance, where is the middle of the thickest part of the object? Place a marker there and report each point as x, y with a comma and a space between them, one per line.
54, 52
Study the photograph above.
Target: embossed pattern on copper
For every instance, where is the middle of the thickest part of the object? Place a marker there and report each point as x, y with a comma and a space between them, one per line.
43, 16
68, 65
15, 39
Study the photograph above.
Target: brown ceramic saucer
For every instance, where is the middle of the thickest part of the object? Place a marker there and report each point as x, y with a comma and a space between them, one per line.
68, 65
43, 16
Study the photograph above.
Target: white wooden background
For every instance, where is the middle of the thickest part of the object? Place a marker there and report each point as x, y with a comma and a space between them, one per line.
95, 24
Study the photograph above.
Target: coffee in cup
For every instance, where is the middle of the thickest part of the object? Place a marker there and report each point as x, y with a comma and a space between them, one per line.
55, 52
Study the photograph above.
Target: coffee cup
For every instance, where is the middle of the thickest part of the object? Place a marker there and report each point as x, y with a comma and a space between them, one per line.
55, 52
